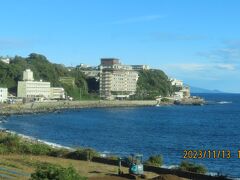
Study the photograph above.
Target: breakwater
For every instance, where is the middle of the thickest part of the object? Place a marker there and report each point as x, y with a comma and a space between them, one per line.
51, 106
41, 107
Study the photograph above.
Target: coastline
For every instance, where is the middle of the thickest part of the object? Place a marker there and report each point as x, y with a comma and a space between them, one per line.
35, 140
55, 106
155, 108
110, 160
43, 107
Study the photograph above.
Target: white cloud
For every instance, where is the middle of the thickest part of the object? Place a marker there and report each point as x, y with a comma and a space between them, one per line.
228, 67
197, 67
229, 53
188, 67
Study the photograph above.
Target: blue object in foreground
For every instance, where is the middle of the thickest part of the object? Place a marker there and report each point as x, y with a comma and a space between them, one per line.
136, 166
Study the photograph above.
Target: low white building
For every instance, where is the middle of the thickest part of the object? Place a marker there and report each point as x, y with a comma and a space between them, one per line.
91, 73
176, 82
28, 88
140, 67
5, 60
183, 93
57, 93
32, 89
3, 95
178, 95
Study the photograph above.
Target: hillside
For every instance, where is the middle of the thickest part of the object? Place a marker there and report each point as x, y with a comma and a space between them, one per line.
11, 73
152, 83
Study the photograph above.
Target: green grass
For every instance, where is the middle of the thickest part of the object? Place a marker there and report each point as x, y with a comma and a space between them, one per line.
10, 143
155, 160
192, 167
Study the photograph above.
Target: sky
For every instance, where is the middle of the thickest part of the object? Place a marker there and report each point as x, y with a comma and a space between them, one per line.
197, 41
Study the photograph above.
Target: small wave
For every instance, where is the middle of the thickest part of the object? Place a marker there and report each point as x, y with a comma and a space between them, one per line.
212, 173
169, 166
224, 102
54, 145
107, 154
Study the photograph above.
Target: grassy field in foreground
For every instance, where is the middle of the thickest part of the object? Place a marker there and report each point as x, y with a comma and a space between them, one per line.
21, 166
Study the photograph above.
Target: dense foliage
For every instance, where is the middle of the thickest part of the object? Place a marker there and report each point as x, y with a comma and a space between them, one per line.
152, 83
11, 73
83, 154
10, 143
14, 144
155, 160
50, 171
188, 166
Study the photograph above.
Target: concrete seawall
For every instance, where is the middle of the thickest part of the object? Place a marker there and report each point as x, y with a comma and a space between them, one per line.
40, 107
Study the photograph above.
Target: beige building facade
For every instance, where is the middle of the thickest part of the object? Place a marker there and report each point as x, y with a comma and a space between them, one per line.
117, 81
57, 93
3, 95
32, 89
28, 88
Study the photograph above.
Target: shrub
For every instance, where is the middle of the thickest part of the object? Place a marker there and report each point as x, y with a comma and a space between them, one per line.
3, 149
113, 157
56, 172
58, 152
25, 148
188, 166
10, 143
9, 140
155, 160
83, 154
40, 149
34, 148
165, 100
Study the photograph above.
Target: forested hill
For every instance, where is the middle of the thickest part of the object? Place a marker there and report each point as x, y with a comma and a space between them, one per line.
151, 83
11, 73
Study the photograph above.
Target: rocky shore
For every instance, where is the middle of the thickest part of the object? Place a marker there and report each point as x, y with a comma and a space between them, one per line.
190, 101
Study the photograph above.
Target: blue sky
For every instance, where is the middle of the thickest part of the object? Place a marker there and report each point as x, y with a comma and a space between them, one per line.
196, 41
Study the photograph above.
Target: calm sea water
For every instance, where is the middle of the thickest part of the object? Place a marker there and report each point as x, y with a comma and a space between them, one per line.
165, 130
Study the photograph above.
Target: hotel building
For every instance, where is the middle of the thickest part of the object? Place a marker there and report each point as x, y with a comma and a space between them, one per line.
117, 81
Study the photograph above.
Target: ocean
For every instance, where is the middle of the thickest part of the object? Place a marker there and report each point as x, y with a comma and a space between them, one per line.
165, 130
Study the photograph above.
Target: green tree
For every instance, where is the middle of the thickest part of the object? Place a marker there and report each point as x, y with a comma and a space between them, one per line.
152, 83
